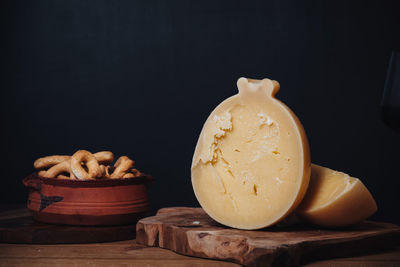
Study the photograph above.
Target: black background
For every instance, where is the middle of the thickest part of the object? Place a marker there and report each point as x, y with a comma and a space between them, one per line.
140, 78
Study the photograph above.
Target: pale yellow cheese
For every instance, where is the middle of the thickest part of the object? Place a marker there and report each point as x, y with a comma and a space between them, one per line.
335, 199
251, 166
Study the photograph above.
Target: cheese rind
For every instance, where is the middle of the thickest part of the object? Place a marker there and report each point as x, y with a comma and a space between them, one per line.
251, 165
335, 199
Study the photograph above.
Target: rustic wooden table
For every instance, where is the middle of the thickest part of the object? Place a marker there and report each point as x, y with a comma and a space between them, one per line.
128, 253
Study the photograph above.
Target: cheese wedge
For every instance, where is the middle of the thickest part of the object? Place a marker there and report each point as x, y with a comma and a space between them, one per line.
335, 199
251, 165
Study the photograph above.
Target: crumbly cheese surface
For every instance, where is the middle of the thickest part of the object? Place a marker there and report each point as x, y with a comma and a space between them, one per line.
251, 165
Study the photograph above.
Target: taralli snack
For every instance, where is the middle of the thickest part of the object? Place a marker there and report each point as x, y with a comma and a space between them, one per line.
104, 157
135, 172
42, 173
62, 176
122, 166
128, 175
85, 157
83, 165
50, 161
63, 167
105, 170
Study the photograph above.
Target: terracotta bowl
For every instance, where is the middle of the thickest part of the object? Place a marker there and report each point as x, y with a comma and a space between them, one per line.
92, 202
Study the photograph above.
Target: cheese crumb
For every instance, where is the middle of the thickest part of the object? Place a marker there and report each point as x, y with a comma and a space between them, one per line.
264, 119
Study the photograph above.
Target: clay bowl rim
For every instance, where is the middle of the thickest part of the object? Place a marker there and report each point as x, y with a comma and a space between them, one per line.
145, 179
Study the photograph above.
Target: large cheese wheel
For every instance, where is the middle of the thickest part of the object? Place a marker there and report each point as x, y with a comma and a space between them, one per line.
251, 165
335, 199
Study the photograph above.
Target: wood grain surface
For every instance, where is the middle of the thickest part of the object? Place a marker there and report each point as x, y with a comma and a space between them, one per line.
129, 253
190, 231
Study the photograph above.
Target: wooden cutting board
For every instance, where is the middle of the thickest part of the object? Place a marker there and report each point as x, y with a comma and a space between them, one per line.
18, 227
190, 231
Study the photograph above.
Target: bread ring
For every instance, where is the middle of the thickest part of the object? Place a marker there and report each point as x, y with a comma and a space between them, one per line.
92, 164
122, 165
136, 172
47, 162
105, 170
41, 173
83, 165
128, 175
62, 176
60, 168
72, 175
104, 157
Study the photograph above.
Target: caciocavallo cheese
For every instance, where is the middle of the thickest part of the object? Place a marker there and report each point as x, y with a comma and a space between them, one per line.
251, 165
335, 199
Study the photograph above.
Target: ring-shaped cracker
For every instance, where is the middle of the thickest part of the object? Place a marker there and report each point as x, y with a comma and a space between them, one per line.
104, 157
105, 170
128, 175
62, 176
42, 173
135, 172
50, 161
63, 167
83, 156
122, 166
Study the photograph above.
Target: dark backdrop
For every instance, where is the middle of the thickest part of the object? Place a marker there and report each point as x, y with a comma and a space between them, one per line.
140, 78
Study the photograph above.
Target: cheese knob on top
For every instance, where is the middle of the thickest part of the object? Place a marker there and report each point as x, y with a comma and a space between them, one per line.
335, 199
251, 165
